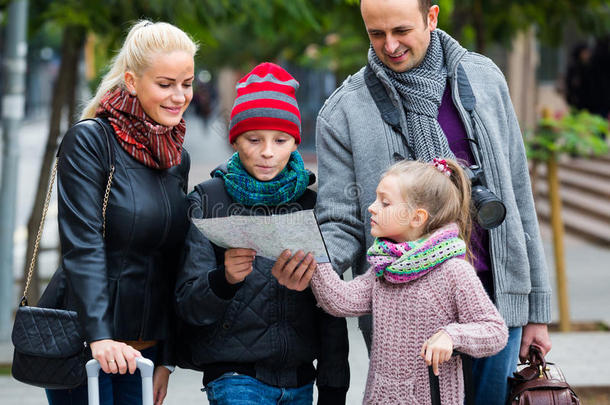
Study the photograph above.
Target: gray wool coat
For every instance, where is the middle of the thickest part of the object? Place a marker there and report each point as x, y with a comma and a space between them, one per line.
355, 146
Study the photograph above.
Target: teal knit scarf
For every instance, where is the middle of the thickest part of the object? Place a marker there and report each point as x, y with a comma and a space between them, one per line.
286, 187
407, 261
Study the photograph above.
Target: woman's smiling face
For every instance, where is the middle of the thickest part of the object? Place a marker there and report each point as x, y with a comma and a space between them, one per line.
165, 88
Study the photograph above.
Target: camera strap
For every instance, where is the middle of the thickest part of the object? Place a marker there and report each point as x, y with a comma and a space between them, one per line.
389, 113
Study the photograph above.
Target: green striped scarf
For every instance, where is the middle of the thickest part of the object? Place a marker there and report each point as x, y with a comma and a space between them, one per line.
288, 186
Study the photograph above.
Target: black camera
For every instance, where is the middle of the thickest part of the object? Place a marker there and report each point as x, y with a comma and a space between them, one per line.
489, 210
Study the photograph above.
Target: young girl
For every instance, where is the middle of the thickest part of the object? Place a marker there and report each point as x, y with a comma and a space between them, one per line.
255, 340
426, 300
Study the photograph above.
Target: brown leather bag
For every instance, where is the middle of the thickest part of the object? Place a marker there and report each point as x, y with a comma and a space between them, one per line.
540, 383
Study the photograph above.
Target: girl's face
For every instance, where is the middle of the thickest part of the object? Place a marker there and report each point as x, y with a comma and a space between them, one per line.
265, 152
391, 216
165, 88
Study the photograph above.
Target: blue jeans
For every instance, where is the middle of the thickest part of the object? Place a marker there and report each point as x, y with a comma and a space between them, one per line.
115, 389
239, 389
490, 373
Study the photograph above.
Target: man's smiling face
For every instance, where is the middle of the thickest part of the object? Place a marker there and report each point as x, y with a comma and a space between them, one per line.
398, 31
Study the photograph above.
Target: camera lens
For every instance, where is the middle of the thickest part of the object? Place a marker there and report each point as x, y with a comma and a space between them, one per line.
489, 210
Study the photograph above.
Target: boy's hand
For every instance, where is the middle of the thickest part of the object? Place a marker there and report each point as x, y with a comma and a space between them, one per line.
238, 264
437, 350
294, 273
160, 381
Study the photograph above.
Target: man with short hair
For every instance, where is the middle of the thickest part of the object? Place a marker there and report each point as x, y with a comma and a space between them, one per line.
447, 102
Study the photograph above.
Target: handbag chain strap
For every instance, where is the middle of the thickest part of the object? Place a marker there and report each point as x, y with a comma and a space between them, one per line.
44, 215
106, 197
39, 235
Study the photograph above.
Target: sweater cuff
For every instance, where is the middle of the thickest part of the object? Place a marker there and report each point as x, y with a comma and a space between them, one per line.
100, 331
220, 286
539, 307
456, 338
331, 395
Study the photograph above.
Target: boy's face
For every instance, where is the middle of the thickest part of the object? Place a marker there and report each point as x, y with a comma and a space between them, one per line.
265, 152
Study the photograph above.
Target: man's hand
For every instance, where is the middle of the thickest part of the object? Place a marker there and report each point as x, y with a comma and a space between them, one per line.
534, 333
294, 273
238, 264
437, 350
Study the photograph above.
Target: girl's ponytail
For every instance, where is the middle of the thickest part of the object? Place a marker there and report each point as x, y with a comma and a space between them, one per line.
462, 183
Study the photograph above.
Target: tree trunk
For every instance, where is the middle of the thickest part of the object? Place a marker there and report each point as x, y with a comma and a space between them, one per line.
460, 17
521, 77
557, 226
534, 177
72, 42
479, 26
75, 56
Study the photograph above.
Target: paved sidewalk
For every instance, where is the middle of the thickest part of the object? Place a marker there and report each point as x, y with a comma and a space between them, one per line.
583, 358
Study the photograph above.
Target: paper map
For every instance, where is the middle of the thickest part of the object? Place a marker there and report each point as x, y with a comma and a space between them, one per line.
268, 235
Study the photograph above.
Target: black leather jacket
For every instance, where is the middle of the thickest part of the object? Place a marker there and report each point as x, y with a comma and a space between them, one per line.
121, 285
256, 327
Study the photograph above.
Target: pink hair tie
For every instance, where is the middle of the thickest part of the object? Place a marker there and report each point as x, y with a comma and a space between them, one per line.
441, 165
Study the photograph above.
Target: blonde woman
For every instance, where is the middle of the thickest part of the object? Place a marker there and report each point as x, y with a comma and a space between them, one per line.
120, 271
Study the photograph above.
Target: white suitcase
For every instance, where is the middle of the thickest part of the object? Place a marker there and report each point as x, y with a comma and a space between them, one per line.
146, 371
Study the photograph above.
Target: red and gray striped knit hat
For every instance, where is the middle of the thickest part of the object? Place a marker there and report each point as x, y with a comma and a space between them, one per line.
266, 100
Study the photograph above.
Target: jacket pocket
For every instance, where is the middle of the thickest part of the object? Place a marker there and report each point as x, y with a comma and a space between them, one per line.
385, 390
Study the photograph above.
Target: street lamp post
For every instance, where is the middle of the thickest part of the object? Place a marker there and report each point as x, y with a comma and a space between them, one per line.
13, 105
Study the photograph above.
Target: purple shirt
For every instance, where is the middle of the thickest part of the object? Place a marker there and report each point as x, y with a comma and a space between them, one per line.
450, 122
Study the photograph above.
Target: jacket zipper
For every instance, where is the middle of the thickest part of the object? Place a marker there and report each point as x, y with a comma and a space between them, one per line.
281, 326
167, 208
164, 235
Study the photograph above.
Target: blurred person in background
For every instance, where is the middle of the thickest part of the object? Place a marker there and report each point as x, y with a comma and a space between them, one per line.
204, 95
580, 82
600, 61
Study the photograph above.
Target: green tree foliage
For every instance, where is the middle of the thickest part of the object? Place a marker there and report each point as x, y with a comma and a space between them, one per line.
577, 133
326, 34
317, 33
230, 32
478, 23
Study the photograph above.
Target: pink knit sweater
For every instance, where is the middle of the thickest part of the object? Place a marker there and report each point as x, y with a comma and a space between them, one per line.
450, 297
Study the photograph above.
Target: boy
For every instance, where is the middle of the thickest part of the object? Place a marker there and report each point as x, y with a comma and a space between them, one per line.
254, 339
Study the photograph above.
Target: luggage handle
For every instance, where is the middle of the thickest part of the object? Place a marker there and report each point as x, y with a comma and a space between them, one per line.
146, 371
435, 393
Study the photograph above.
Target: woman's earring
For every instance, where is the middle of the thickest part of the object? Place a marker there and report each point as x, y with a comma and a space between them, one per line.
133, 93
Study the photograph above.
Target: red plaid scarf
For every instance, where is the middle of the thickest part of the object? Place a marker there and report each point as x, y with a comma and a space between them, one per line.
152, 144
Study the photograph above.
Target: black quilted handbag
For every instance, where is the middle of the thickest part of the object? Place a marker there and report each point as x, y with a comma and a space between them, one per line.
49, 349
